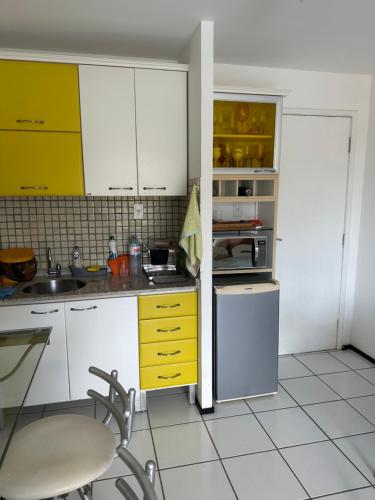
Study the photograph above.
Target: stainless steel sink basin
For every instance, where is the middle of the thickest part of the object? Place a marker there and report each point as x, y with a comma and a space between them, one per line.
163, 274
53, 286
161, 280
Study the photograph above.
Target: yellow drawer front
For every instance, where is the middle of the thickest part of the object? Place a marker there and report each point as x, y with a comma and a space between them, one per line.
163, 353
168, 305
154, 377
40, 163
159, 330
39, 96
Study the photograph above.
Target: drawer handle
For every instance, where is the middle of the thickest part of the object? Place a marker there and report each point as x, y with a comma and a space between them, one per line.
160, 330
83, 309
113, 188
169, 353
39, 122
163, 377
168, 307
34, 187
162, 188
45, 312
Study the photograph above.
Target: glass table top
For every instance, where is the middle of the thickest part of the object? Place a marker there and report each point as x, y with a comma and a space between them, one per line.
20, 353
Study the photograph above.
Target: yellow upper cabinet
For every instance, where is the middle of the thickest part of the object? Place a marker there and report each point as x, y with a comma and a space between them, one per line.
39, 96
40, 163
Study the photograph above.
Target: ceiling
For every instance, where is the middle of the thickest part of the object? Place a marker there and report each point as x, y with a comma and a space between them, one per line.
324, 35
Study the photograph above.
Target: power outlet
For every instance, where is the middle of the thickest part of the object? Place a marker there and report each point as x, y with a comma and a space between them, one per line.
138, 211
237, 211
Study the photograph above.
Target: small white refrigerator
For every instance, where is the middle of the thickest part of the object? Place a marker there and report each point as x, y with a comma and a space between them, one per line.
246, 340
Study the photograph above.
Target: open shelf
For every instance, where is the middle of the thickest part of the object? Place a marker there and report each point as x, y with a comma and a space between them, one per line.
243, 136
244, 188
241, 271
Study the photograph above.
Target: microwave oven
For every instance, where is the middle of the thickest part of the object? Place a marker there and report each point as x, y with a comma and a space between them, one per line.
242, 251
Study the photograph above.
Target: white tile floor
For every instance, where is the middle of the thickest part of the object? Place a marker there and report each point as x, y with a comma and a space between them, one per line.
314, 439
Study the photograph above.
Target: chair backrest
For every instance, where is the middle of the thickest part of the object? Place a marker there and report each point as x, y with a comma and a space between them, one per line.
124, 418
145, 477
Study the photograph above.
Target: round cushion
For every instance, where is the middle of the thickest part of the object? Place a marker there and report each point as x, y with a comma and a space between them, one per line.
54, 456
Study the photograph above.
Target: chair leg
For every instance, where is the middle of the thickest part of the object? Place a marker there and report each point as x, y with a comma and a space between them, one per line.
85, 493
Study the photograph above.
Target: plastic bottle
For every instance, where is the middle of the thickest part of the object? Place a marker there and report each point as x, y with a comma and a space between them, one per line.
135, 256
76, 257
112, 247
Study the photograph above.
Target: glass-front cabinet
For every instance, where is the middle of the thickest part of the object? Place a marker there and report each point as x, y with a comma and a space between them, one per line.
246, 133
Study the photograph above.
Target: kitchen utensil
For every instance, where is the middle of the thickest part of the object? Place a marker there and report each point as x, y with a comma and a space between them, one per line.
159, 256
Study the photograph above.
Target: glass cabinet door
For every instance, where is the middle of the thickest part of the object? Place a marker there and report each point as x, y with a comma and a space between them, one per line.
246, 132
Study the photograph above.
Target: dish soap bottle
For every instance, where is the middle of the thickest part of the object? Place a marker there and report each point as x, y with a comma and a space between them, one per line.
135, 256
112, 247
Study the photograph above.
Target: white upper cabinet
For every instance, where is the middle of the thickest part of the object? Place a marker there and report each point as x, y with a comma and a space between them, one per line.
108, 130
134, 131
161, 106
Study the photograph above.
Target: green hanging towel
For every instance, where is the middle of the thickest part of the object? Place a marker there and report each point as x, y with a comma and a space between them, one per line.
191, 236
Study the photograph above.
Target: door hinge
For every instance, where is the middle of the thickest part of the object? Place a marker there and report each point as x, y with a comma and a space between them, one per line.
343, 239
337, 325
349, 144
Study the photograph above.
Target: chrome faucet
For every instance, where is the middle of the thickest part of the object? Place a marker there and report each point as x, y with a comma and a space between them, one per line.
51, 272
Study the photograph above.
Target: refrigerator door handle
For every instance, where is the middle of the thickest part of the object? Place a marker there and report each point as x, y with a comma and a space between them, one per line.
256, 252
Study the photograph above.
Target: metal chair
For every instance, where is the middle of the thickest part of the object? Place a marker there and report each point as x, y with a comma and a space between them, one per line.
64, 453
145, 477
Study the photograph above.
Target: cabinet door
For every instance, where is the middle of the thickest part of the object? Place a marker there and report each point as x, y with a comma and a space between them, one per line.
51, 382
102, 333
39, 96
108, 130
40, 163
161, 132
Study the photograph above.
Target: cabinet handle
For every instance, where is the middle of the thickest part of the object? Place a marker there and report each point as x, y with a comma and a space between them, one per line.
45, 312
279, 239
83, 309
39, 122
168, 307
163, 377
113, 188
34, 187
160, 330
169, 353
162, 188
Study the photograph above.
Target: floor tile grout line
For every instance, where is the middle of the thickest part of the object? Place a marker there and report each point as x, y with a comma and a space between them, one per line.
332, 441
345, 491
358, 411
341, 397
283, 458
156, 456
221, 462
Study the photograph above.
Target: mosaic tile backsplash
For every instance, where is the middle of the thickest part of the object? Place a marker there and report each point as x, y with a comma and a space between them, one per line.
62, 222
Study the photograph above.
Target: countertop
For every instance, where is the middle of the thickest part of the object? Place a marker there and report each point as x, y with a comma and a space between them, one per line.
100, 288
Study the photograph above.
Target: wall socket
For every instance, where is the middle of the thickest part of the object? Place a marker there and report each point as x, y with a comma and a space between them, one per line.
138, 211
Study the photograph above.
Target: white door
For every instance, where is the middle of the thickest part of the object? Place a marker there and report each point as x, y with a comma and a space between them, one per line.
108, 130
312, 202
161, 105
50, 383
102, 333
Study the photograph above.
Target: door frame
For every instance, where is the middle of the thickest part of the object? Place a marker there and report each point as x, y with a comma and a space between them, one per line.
346, 284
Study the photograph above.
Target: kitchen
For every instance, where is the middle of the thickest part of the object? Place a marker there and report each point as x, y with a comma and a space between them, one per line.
88, 220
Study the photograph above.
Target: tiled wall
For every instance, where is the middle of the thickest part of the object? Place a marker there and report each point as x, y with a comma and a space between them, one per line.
62, 222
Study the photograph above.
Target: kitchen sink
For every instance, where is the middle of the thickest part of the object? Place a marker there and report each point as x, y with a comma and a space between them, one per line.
53, 286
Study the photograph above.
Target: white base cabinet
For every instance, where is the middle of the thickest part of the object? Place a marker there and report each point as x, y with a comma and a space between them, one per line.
102, 333
50, 383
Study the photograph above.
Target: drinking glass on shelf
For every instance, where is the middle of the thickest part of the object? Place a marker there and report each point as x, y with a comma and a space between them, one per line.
260, 153
243, 113
248, 159
238, 156
263, 123
216, 155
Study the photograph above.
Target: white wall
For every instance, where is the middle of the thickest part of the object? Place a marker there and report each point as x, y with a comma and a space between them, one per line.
333, 93
200, 91
363, 332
